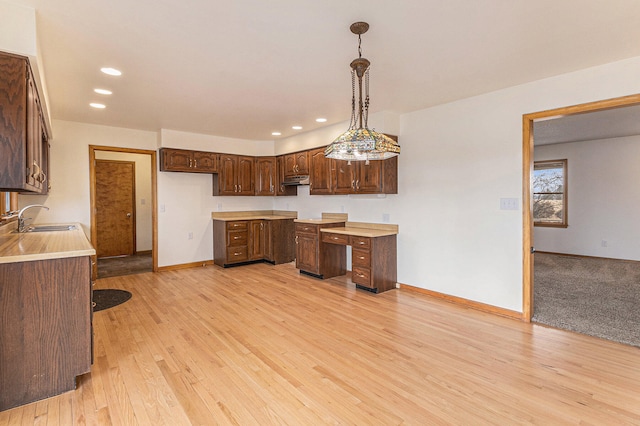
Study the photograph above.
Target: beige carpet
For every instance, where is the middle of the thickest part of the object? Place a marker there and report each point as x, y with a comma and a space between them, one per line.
598, 297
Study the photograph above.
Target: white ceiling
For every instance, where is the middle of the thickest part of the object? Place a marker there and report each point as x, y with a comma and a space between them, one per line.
243, 69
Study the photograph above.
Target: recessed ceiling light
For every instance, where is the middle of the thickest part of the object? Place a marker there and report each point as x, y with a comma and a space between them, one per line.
110, 71
296, 127
321, 120
276, 134
103, 91
97, 105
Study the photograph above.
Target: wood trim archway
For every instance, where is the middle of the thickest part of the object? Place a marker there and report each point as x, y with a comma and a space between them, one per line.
154, 192
527, 167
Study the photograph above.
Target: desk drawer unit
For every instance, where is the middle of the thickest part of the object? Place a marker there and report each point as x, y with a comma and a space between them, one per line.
361, 276
330, 237
361, 258
237, 254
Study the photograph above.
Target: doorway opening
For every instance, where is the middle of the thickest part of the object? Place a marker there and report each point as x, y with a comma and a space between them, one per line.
124, 226
528, 159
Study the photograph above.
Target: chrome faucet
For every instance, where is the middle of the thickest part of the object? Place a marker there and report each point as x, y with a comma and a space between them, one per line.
21, 219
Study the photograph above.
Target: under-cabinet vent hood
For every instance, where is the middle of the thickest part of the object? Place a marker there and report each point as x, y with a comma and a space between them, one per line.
296, 180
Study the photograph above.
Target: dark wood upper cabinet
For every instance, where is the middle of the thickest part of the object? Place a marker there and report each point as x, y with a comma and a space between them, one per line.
184, 160
320, 173
281, 189
265, 180
24, 141
235, 175
296, 164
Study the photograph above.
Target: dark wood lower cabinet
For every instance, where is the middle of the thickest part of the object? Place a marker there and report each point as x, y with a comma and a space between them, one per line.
315, 257
45, 328
244, 241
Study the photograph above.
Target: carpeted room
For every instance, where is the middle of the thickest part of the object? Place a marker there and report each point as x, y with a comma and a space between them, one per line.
587, 272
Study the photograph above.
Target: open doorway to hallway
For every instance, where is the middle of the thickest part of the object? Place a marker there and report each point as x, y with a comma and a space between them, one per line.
123, 210
601, 143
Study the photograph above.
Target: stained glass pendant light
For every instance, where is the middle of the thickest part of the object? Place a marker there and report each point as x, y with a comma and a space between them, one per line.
359, 142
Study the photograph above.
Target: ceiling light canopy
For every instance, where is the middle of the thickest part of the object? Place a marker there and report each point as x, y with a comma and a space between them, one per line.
359, 142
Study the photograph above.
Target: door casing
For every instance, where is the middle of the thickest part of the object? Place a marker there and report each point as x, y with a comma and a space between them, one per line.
527, 172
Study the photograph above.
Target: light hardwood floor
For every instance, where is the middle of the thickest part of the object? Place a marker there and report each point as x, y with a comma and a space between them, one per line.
261, 344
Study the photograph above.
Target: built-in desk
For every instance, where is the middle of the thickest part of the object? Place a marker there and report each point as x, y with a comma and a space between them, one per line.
322, 251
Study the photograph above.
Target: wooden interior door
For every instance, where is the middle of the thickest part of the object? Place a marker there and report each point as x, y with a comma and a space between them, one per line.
115, 208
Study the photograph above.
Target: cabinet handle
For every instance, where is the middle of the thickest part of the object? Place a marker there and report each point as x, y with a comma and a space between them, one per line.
353, 184
236, 237
240, 188
190, 162
296, 239
361, 257
261, 225
361, 242
335, 238
235, 188
195, 164
358, 184
360, 275
93, 304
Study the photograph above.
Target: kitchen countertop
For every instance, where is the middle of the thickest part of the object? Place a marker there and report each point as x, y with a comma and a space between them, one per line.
319, 221
29, 246
254, 214
363, 229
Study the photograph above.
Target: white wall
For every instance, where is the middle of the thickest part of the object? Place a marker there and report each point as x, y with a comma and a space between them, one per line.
457, 161
603, 199
143, 194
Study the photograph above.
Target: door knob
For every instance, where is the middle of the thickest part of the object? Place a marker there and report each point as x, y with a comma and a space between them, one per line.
128, 214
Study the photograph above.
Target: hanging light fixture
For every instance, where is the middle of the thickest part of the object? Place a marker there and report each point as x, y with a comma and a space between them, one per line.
359, 142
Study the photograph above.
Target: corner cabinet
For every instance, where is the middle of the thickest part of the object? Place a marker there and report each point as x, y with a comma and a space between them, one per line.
47, 338
235, 175
24, 141
239, 242
265, 179
182, 160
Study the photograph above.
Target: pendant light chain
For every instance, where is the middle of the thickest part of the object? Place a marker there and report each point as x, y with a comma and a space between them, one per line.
354, 120
366, 99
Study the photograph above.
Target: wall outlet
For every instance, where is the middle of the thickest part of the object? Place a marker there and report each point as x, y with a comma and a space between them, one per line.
219, 206
385, 217
143, 201
603, 243
508, 204
341, 209
190, 235
162, 210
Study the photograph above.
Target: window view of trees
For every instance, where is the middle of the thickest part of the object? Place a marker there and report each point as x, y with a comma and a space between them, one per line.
549, 193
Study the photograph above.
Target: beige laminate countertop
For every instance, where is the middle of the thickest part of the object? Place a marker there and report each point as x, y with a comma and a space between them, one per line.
254, 215
363, 231
29, 246
319, 221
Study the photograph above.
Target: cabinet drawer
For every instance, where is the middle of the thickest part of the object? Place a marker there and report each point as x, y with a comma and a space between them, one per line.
237, 254
361, 242
304, 228
330, 237
237, 238
241, 224
361, 258
362, 276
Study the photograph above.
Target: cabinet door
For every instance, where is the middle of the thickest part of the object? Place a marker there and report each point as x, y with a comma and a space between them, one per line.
176, 160
265, 180
227, 175
205, 162
290, 165
302, 162
268, 241
345, 177
280, 171
307, 253
369, 177
244, 175
32, 135
320, 173
256, 240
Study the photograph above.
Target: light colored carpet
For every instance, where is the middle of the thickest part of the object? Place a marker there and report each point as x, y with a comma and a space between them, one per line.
598, 297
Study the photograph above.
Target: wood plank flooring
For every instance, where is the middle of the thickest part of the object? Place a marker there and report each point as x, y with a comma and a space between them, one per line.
261, 344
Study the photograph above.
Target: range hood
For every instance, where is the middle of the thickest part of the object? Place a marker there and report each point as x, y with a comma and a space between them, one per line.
296, 180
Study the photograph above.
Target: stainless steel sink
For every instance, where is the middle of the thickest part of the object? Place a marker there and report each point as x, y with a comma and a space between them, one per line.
51, 228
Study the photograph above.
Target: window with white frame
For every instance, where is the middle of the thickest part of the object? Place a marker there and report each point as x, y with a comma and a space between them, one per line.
550, 193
